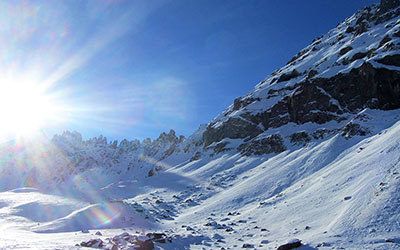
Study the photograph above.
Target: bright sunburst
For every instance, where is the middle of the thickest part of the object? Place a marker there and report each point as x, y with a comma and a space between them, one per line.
45, 54
25, 107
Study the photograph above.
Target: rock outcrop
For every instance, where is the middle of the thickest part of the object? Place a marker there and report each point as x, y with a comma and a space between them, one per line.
271, 144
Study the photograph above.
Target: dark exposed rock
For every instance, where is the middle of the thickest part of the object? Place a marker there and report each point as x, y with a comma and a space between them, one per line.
310, 103
323, 244
247, 245
144, 244
345, 50
355, 89
239, 103
340, 37
297, 56
320, 133
288, 76
318, 100
220, 147
387, 5
347, 198
350, 29
393, 240
271, 144
281, 91
390, 60
151, 172
196, 156
274, 117
159, 237
156, 236
384, 41
312, 73
353, 129
388, 9
290, 245
233, 128
361, 28
390, 46
300, 138
359, 55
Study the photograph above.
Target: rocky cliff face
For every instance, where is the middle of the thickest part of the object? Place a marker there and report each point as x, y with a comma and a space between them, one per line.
354, 66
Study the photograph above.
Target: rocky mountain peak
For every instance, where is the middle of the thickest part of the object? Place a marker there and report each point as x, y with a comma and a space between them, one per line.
354, 66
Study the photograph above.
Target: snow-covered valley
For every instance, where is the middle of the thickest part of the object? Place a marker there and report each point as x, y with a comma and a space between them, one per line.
313, 153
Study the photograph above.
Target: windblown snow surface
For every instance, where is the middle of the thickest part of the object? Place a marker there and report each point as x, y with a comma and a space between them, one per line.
339, 189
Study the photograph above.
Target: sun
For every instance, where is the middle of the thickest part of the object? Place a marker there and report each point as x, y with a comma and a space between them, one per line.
25, 107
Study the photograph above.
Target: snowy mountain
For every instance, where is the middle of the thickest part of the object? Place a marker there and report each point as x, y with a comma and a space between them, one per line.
311, 153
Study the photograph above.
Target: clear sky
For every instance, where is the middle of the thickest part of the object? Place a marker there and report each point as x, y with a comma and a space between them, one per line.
132, 69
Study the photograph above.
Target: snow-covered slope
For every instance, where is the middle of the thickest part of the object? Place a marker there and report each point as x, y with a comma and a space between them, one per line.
313, 152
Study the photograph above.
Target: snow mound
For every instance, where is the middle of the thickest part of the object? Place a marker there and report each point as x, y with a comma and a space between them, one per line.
97, 216
44, 211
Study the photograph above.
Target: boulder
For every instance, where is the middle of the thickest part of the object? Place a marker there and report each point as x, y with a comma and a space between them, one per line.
151, 173
247, 245
95, 243
293, 244
347, 198
158, 237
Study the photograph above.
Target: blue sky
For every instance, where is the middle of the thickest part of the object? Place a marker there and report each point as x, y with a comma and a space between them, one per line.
132, 69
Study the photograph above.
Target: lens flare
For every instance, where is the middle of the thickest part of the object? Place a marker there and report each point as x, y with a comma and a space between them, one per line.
105, 214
